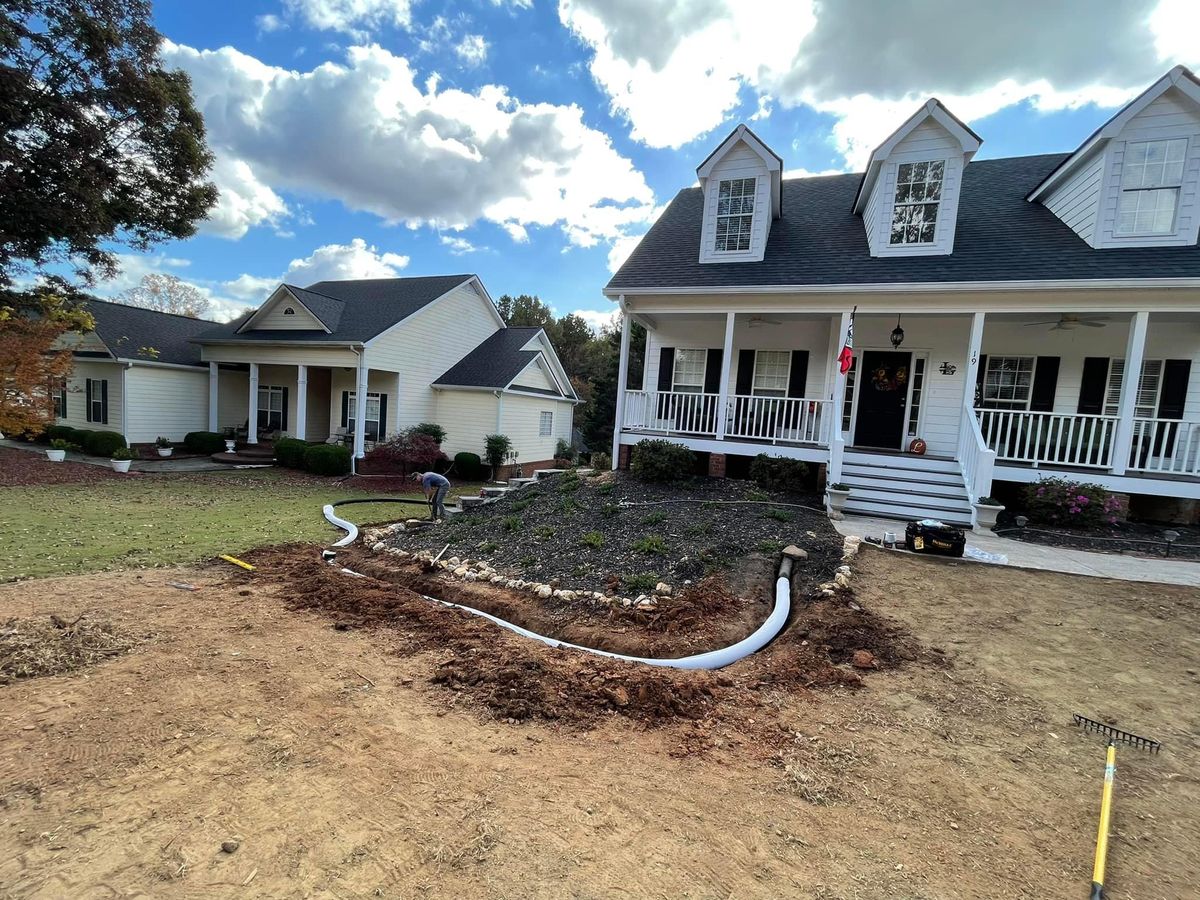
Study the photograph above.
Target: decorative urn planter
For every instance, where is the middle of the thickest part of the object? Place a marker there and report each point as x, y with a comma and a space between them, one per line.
56, 455
165, 451
986, 514
230, 446
836, 496
121, 465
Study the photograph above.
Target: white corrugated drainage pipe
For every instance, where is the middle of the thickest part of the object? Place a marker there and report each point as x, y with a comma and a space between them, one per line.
349, 527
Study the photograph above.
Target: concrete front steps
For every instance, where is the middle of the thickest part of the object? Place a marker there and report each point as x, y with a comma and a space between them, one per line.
494, 492
905, 486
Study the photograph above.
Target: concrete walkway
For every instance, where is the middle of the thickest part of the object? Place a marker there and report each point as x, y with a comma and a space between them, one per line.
1050, 559
156, 464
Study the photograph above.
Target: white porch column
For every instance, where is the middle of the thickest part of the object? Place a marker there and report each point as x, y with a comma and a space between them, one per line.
252, 413
1135, 352
622, 377
837, 441
214, 374
360, 408
726, 368
301, 427
974, 348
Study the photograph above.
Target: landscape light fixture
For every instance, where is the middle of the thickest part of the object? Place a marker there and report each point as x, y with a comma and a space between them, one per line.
897, 334
1022, 521
1170, 537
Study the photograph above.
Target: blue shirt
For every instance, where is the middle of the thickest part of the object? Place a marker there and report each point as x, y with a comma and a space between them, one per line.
433, 479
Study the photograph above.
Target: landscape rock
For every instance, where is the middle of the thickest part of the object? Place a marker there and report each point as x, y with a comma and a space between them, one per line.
229, 846
663, 588
544, 591
792, 552
864, 659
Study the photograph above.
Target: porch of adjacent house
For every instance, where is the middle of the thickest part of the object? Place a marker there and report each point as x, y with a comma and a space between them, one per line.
315, 403
1000, 396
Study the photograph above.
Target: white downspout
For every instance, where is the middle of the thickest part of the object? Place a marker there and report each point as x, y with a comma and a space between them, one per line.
125, 401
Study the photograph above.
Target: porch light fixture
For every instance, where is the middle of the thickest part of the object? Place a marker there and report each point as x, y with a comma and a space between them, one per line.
897, 333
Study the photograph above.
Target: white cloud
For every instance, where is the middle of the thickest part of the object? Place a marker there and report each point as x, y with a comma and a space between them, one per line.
978, 58
134, 267
353, 17
515, 4
620, 250
269, 22
472, 49
367, 134
244, 201
334, 262
459, 246
599, 319
809, 173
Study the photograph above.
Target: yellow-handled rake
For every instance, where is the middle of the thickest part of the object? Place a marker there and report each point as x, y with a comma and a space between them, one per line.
1115, 736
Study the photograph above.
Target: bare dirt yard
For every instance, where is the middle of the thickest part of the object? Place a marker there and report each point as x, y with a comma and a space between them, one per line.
343, 738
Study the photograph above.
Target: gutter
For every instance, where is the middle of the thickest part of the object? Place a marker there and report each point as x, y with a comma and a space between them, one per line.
196, 367
917, 287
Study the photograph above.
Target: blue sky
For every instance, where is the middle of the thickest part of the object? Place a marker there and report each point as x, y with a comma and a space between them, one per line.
533, 141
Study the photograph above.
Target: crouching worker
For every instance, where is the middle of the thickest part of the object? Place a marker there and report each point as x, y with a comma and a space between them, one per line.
435, 487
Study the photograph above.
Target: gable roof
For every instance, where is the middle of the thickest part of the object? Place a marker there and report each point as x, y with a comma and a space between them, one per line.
496, 362
933, 108
1000, 237
127, 330
1179, 77
353, 311
772, 160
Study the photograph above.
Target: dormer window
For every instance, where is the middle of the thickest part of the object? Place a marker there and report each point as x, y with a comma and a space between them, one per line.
1151, 178
735, 214
289, 311
918, 195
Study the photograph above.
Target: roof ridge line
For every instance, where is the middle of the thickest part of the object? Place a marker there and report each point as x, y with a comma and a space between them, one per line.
161, 312
311, 291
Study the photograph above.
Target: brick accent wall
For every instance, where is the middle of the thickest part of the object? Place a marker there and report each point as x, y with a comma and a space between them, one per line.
623, 456
716, 465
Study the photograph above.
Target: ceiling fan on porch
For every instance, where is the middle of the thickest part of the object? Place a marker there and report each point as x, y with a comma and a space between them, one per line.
1067, 322
759, 321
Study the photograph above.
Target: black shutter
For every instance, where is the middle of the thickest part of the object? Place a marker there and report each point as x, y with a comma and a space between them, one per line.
88, 389
745, 373
980, 374
1174, 388
798, 378
1045, 380
666, 368
283, 425
1093, 386
104, 401
712, 372
345, 409
382, 418
62, 401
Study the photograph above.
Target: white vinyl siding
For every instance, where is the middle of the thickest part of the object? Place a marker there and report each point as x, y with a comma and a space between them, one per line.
276, 318
166, 402
468, 417
1077, 200
521, 419
535, 376
76, 383
739, 164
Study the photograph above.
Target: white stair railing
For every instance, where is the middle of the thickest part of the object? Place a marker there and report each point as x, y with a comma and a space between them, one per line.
1166, 446
1067, 439
977, 459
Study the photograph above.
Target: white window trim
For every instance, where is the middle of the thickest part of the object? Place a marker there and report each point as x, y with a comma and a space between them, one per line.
896, 204
1110, 387
546, 423
688, 388
1008, 404
272, 390
787, 376
352, 402
1177, 187
718, 216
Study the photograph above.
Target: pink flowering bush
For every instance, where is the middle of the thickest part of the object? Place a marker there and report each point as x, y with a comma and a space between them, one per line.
1056, 501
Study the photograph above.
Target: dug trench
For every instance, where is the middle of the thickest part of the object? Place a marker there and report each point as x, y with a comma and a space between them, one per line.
830, 642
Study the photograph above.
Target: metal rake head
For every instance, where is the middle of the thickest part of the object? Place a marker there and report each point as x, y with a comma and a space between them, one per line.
1116, 735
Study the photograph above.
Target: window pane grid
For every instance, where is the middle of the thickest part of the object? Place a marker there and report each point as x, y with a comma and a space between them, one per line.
1151, 176
848, 402
771, 368
918, 194
1008, 381
371, 425
918, 384
546, 424
689, 371
735, 213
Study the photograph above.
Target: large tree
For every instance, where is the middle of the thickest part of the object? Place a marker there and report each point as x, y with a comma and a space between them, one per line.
524, 310
600, 413
99, 144
166, 293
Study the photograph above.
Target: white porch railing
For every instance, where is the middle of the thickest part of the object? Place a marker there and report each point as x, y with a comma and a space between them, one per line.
1166, 446
1065, 439
792, 420
671, 412
779, 420
976, 458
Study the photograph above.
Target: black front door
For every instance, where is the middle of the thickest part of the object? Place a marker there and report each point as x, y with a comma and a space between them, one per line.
882, 397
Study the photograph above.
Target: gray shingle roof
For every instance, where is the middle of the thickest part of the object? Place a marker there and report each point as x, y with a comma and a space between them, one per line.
353, 311
128, 330
819, 241
495, 362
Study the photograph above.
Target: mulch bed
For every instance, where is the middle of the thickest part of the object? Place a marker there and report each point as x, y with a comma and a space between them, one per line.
20, 468
1127, 538
590, 533
30, 648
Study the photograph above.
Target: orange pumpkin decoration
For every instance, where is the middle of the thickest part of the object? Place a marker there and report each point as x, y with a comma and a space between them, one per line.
917, 446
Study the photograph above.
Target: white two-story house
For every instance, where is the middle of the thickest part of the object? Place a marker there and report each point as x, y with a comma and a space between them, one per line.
997, 307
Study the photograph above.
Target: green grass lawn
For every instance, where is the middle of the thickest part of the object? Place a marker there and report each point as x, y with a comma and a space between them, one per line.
116, 523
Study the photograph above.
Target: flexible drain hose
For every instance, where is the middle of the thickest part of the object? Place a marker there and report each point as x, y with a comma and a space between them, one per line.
349, 527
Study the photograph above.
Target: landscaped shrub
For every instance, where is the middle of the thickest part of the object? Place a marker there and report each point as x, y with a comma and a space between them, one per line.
601, 462
652, 543
429, 429
289, 452
1056, 501
469, 466
407, 453
775, 473
327, 459
204, 442
103, 443
59, 433
662, 461
496, 450
564, 451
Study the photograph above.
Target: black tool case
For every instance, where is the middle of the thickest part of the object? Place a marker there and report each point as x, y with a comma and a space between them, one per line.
934, 537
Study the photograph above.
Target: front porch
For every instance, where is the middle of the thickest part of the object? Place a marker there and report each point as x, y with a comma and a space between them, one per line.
1006, 396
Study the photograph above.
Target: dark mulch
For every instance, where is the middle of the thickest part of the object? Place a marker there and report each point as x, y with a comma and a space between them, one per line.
1130, 538
21, 468
590, 533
